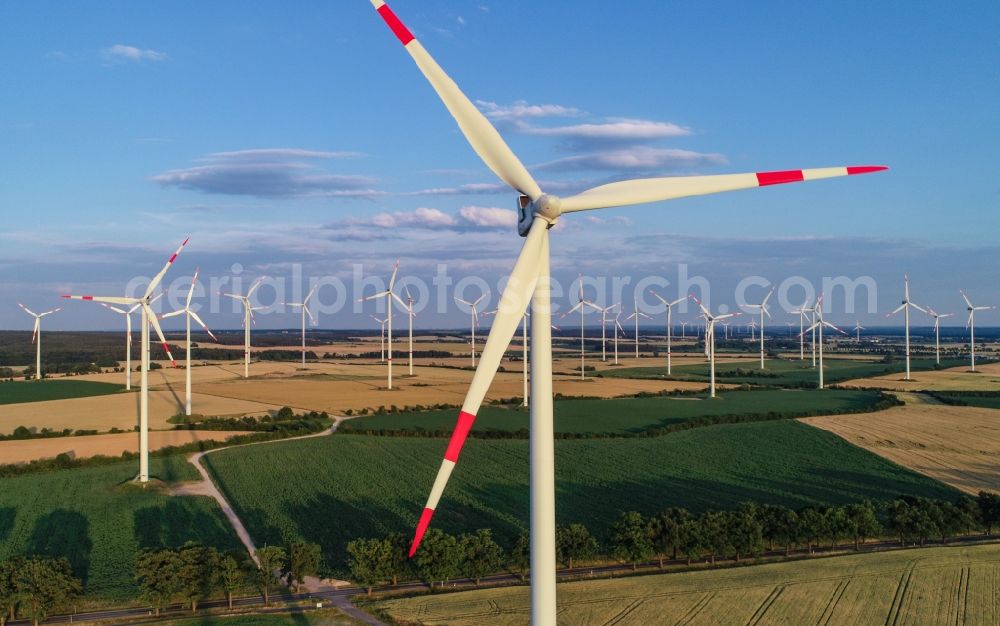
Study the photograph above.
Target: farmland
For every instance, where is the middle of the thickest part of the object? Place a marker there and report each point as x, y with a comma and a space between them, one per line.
779, 372
325, 617
942, 585
98, 519
332, 489
15, 391
632, 415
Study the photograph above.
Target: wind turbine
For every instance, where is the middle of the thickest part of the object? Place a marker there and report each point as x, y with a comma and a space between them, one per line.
790, 325
475, 321
381, 344
248, 319
408, 305
710, 322
128, 340
635, 315
818, 326
388, 295
804, 311
905, 308
36, 336
304, 305
752, 327
530, 278
684, 329
971, 325
670, 323
762, 309
618, 327
604, 323
937, 332
858, 328
148, 317
582, 305
188, 316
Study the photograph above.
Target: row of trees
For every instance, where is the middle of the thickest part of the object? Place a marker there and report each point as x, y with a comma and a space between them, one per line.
676, 533
194, 573
35, 587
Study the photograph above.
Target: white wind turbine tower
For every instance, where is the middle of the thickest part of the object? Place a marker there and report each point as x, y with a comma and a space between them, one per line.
475, 320
762, 310
803, 312
635, 315
188, 316
36, 336
408, 305
905, 308
670, 324
388, 295
381, 337
618, 327
684, 329
128, 340
971, 325
304, 305
148, 317
858, 328
604, 323
937, 332
582, 305
248, 310
530, 279
710, 322
818, 326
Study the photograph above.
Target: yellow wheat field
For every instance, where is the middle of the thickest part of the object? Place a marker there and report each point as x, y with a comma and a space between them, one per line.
932, 586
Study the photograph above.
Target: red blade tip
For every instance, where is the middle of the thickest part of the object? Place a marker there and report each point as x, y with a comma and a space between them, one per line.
865, 169
425, 520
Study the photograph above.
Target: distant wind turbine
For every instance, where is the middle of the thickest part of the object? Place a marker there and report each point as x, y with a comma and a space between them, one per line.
710, 321
408, 305
971, 325
762, 309
381, 344
937, 332
905, 308
304, 305
635, 315
818, 326
36, 336
188, 316
581, 305
128, 339
388, 294
670, 323
248, 320
618, 327
475, 320
857, 329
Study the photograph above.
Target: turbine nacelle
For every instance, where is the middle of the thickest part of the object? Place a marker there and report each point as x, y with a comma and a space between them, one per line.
546, 206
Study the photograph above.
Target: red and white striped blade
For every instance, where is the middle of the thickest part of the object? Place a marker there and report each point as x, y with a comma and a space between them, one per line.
159, 333
108, 299
115, 309
643, 190
33, 314
481, 135
194, 281
156, 279
195, 317
513, 302
34, 330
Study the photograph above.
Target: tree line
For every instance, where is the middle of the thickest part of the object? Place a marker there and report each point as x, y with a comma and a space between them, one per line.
676, 533
35, 587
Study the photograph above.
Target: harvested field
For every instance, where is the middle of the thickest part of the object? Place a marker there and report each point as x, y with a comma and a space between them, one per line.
957, 445
24, 450
985, 378
941, 585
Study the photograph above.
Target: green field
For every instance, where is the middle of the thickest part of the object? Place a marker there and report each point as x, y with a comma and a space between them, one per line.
942, 585
52, 389
633, 415
980, 399
99, 519
332, 489
780, 372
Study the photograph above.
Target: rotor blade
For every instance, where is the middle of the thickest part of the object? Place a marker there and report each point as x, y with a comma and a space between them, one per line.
50, 312
406, 290
918, 307
829, 325
195, 317
254, 286
399, 300
156, 279
380, 294
116, 309
644, 190
392, 279
311, 292
677, 301
575, 307
159, 333
965, 297
659, 297
468, 304
27, 310
478, 131
592, 305
109, 299
898, 309
513, 302
172, 314
702, 307
35, 329
644, 315
312, 318
767, 297
194, 281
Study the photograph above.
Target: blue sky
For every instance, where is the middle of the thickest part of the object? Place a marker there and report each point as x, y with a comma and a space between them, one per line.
281, 135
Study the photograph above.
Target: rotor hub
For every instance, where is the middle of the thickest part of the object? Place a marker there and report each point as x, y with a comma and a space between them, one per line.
547, 207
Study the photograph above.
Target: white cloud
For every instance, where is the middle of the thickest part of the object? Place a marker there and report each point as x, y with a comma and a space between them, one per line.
121, 52
635, 159
620, 130
420, 218
522, 109
488, 217
257, 154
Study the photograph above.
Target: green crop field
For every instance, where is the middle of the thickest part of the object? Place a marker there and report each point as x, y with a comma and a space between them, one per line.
632, 415
99, 520
332, 489
53, 389
780, 372
323, 617
981, 399
941, 585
